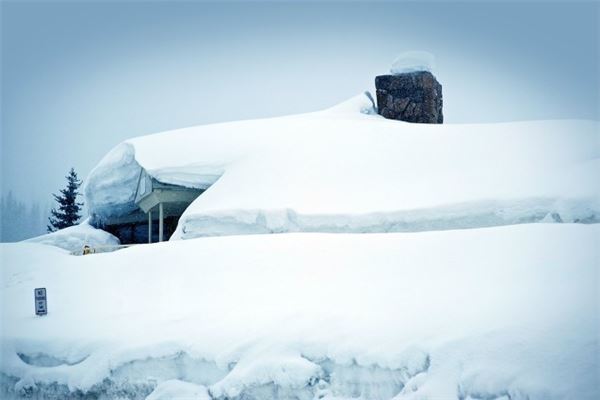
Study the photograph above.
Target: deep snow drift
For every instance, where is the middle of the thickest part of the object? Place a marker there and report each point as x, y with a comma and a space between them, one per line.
75, 237
494, 313
508, 312
342, 170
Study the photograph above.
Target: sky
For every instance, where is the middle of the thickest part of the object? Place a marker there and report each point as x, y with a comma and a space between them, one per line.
80, 77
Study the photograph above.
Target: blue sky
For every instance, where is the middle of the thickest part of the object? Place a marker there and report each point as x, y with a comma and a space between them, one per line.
79, 77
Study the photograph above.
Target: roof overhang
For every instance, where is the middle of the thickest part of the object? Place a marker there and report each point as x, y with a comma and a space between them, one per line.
176, 195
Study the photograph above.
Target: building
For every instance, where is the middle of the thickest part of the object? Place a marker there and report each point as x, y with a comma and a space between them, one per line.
159, 207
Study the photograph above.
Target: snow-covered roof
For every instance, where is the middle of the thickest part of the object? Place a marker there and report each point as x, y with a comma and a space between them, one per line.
344, 169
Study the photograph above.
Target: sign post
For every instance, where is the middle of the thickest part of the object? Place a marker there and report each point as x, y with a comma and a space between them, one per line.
41, 305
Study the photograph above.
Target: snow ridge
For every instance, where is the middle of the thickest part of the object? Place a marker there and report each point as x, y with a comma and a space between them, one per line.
178, 374
464, 216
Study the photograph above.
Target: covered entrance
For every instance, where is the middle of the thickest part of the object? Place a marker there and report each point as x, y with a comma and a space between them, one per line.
159, 207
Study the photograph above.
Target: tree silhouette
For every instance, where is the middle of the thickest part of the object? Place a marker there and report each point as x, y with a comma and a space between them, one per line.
68, 207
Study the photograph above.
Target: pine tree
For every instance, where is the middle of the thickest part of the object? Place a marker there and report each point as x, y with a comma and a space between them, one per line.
68, 207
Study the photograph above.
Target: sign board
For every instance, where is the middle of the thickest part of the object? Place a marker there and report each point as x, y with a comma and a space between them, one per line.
41, 305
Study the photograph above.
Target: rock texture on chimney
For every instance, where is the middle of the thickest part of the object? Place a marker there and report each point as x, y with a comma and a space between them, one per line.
411, 97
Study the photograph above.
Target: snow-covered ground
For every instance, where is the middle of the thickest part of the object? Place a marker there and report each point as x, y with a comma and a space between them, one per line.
342, 170
368, 290
479, 313
75, 237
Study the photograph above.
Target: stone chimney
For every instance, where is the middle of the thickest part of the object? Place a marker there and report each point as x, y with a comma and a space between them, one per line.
410, 96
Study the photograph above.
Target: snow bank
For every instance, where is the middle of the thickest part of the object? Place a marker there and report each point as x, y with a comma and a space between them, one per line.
482, 313
176, 389
343, 170
75, 237
413, 61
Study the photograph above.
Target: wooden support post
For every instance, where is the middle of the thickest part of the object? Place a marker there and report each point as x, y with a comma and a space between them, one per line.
160, 222
150, 226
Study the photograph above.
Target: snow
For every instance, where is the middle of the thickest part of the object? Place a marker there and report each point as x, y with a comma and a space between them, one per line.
110, 187
344, 170
482, 313
176, 389
415, 309
413, 61
75, 237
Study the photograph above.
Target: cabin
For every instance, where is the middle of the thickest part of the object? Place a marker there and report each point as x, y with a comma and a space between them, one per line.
156, 215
